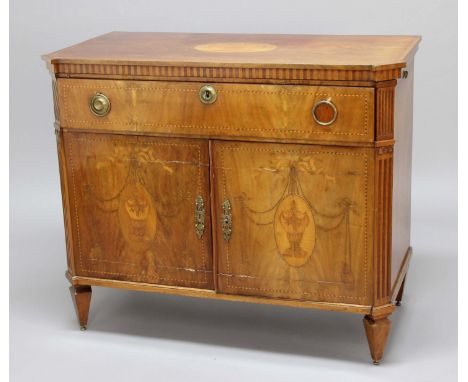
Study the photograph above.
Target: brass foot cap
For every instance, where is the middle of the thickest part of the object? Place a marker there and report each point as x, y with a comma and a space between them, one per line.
376, 362
83, 328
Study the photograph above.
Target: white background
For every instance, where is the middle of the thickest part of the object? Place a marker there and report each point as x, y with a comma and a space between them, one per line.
140, 336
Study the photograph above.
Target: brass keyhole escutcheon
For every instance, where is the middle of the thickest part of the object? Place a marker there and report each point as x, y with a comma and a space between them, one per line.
207, 94
99, 105
226, 220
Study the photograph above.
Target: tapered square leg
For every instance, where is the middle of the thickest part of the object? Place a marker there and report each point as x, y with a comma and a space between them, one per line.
377, 333
400, 293
81, 296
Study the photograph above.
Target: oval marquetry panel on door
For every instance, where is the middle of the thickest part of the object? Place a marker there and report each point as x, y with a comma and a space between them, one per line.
294, 230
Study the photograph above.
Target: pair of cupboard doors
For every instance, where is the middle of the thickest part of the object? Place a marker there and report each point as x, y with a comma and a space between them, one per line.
276, 220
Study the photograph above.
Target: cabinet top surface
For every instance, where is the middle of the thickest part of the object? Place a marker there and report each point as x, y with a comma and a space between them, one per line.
242, 50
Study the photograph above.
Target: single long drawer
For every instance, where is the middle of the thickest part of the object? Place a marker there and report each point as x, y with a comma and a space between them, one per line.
307, 113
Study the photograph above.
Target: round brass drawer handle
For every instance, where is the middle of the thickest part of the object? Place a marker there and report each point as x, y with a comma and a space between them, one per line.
207, 94
324, 112
99, 105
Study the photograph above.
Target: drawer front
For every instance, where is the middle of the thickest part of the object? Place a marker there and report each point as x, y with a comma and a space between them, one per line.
133, 206
240, 111
294, 221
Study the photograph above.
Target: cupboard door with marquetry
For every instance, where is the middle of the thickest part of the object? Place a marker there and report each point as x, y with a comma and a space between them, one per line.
139, 208
293, 221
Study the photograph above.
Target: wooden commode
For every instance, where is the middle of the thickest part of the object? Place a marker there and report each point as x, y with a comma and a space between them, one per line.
271, 169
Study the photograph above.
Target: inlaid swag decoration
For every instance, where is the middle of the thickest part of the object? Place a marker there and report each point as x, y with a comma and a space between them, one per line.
131, 184
298, 224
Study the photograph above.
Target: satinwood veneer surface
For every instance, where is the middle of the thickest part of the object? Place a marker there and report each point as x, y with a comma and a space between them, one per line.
271, 169
359, 52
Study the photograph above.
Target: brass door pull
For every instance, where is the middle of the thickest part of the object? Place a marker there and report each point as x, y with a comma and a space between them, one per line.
226, 220
99, 105
324, 112
199, 216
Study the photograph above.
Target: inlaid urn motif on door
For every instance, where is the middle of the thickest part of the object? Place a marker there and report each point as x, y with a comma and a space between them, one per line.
294, 230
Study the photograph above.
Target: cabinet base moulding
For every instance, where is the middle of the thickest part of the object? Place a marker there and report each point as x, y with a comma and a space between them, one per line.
210, 294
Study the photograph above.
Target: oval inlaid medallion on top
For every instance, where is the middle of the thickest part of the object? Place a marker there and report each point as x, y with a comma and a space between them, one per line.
234, 47
294, 230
